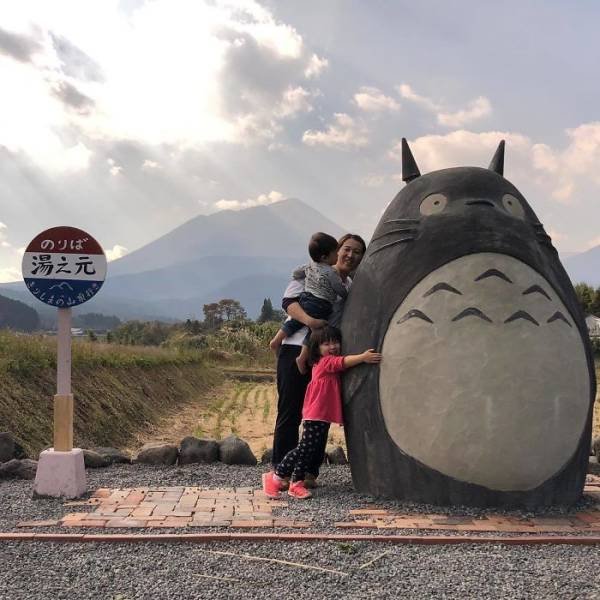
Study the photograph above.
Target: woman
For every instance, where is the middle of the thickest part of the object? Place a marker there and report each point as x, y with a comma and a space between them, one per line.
291, 384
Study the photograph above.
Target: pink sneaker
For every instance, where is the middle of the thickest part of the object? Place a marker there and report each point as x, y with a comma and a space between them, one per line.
271, 487
297, 490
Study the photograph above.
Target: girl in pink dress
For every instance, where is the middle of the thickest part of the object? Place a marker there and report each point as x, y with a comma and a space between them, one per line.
322, 406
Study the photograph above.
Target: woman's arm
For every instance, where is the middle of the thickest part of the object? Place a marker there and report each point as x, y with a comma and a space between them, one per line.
368, 356
295, 311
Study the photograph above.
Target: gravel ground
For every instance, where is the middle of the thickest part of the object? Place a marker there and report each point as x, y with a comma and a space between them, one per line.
122, 571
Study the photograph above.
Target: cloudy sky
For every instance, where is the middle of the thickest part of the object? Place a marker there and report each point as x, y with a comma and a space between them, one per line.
126, 118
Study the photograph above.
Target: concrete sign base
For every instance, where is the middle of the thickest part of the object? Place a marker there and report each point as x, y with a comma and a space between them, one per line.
60, 474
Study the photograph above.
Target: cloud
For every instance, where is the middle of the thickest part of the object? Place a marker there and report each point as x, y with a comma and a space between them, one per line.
371, 99
573, 166
75, 62
476, 109
344, 134
261, 200
19, 46
462, 147
114, 168
294, 100
408, 93
117, 251
8, 274
150, 165
564, 173
373, 180
262, 83
592, 243
72, 97
254, 73
315, 66
3, 242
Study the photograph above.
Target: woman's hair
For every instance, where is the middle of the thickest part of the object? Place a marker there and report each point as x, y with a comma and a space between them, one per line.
320, 245
352, 236
320, 336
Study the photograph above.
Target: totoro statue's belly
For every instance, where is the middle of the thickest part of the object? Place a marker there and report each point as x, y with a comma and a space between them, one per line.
484, 374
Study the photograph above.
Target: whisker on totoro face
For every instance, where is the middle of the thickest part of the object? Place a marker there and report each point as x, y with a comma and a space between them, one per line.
521, 314
386, 246
404, 221
558, 316
407, 230
536, 289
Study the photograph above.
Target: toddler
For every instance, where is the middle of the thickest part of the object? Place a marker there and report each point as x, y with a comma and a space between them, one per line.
322, 286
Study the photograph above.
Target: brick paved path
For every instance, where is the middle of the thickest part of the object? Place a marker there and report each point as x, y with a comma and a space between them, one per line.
373, 517
175, 507
250, 508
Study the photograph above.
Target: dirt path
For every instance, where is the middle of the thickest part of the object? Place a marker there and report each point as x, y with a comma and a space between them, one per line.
246, 409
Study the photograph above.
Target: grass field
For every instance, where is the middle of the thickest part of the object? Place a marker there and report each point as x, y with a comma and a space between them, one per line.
128, 394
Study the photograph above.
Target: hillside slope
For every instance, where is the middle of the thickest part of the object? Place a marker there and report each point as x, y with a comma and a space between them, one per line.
112, 404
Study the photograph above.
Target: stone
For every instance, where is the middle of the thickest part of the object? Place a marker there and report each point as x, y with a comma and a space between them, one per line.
235, 451
7, 446
157, 453
267, 457
198, 450
94, 460
113, 455
336, 455
60, 474
16, 468
19, 451
596, 447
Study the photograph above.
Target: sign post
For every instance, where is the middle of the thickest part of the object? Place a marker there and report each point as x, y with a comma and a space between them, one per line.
63, 267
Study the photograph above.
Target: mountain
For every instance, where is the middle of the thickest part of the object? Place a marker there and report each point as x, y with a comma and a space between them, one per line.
584, 267
276, 230
192, 279
17, 315
247, 255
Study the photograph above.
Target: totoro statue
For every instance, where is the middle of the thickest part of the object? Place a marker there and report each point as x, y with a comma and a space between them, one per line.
484, 395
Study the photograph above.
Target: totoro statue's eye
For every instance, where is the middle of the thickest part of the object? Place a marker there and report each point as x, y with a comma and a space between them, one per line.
434, 204
513, 206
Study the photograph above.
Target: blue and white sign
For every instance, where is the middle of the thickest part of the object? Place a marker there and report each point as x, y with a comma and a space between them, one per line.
64, 267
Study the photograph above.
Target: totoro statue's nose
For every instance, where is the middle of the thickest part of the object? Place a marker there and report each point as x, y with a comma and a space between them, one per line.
479, 202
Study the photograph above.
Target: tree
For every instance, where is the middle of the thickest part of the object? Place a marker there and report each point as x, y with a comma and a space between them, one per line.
213, 315
586, 296
194, 327
232, 310
266, 312
595, 306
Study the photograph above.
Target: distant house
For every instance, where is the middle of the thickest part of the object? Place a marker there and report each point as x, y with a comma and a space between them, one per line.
593, 325
77, 332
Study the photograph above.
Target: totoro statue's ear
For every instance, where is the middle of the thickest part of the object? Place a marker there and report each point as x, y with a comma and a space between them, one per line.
410, 170
497, 164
